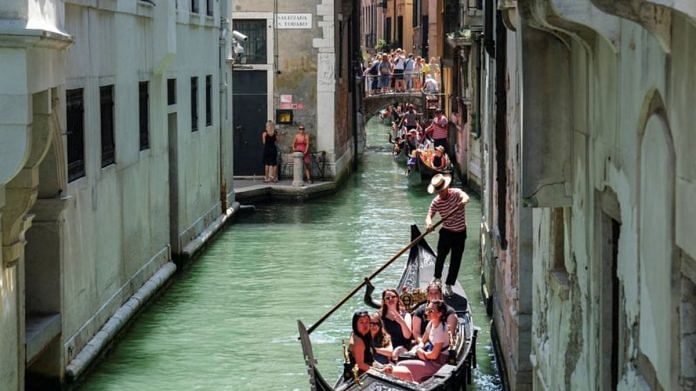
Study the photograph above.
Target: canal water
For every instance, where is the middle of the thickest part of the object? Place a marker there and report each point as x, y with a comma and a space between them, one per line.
229, 321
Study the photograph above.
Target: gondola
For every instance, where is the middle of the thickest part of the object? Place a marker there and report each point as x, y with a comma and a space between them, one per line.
423, 171
453, 376
402, 156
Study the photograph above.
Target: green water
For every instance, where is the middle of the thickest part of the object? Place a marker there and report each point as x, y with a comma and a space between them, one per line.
229, 322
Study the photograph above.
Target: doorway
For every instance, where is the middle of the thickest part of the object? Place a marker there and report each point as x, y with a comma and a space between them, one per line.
249, 115
610, 317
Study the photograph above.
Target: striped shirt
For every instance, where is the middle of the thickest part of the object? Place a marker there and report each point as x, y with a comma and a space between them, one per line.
440, 128
456, 222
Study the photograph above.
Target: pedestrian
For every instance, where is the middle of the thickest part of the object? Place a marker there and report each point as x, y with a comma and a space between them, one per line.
301, 144
448, 203
270, 153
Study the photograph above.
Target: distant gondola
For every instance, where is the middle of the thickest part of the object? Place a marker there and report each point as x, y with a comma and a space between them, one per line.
400, 156
423, 171
453, 376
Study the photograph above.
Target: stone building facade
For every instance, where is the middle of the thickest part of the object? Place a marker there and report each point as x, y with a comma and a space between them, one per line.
115, 158
298, 54
588, 190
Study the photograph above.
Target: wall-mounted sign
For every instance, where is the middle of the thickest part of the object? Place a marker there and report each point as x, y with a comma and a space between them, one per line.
286, 99
292, 106
293, 21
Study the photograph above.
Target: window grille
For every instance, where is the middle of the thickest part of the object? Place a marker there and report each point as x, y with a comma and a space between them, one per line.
75, 114
255, 47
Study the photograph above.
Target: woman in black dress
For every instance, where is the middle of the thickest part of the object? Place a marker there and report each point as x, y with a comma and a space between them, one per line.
270, 153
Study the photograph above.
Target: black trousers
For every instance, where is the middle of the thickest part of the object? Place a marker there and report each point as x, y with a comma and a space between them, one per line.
449, 241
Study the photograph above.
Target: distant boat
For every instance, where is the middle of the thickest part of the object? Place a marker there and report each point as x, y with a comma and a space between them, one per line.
423, 170
400, 157
454, 376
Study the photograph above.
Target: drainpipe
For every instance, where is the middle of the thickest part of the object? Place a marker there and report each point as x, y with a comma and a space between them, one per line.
276, 66
224, 99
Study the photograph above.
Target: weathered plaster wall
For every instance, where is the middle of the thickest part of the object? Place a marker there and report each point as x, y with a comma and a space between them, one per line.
630, 130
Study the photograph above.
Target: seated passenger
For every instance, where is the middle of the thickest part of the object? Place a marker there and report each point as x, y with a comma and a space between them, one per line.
361, 350
381, 342
395, 319
430, 360
419, 319
440, 161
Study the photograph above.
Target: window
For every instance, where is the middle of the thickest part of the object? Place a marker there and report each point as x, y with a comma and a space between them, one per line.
209, 7
171, 91
144, 111
255, 46
194, 104
400, 31
557, 240
387, 31
194, 6
208, 100
76, 133
416, 12
106, 112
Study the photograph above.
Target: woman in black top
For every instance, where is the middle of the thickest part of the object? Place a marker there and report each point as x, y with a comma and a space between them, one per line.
396, 321
361, 350
270, 153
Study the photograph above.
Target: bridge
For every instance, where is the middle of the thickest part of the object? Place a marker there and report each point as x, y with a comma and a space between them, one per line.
424, 103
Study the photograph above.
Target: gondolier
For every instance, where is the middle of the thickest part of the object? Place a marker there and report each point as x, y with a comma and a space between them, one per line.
448, 202
438, 130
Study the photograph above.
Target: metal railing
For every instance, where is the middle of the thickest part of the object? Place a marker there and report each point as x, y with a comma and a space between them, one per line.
406, 83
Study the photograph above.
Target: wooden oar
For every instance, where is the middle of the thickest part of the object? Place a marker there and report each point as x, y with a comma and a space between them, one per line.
389, 262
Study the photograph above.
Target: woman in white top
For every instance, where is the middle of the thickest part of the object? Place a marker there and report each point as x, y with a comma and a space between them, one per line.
433, 352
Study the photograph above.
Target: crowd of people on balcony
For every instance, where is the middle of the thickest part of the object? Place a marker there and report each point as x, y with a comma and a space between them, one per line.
400, 72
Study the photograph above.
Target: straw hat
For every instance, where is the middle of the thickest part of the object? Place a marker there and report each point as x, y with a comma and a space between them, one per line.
438, 183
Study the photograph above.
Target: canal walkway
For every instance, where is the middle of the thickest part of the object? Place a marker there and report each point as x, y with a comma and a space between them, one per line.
255, 189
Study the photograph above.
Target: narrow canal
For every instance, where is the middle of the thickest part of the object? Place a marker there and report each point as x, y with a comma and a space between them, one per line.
229, 321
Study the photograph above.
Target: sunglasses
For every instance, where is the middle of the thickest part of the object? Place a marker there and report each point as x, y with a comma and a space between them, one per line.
301, 128
429, 310
389, 297
375, 324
